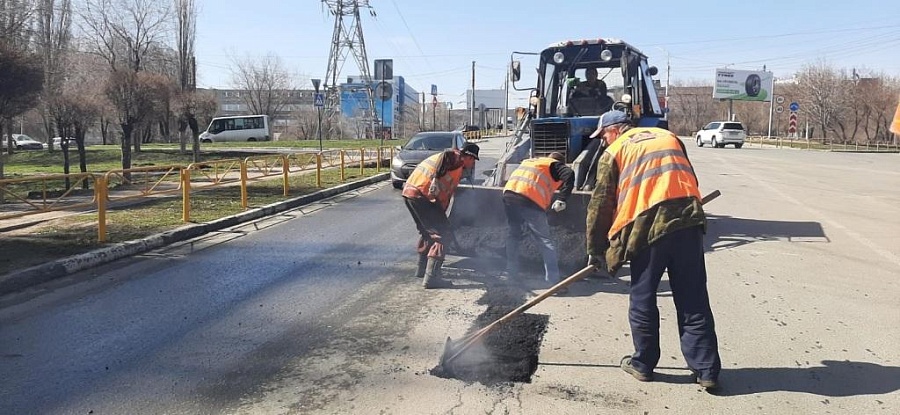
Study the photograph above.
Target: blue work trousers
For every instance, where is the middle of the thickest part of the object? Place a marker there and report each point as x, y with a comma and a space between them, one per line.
520, 217
681, 254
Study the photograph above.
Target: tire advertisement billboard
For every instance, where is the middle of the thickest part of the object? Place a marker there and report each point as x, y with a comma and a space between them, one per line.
743, 85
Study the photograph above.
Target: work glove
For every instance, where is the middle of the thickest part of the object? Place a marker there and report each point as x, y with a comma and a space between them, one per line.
597, 261
433, 189
558, 206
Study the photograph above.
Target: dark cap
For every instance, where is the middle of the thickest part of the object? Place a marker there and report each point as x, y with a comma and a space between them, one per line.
472, 150
609, 118
557, 156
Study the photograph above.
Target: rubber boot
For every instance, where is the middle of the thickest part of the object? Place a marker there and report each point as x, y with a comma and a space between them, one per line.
423, 263
433, 277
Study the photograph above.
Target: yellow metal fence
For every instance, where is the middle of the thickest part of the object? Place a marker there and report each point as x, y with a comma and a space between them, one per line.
22, 197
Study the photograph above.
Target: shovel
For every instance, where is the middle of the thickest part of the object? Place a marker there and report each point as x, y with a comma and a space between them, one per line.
452, 349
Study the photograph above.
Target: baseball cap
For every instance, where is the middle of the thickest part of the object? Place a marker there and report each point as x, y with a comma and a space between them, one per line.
472, 150
609, 118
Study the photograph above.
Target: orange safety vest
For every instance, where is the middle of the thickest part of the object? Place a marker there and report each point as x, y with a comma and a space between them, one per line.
533, 180
420, 179
652, 169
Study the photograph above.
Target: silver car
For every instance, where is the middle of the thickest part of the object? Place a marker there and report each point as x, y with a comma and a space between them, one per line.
420, 147
720, 133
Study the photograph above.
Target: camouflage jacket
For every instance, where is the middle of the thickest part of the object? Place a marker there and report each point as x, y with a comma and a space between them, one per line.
652, 224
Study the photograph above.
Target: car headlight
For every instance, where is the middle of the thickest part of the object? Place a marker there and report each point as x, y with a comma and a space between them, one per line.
396, 163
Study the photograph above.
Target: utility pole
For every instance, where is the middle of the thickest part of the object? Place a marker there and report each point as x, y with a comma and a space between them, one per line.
346, 39
506, 104
317, 99
472, 107
449, 109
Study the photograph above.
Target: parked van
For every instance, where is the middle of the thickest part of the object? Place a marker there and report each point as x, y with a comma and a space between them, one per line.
238, 128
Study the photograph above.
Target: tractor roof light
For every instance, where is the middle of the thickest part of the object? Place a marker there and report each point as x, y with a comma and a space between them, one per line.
559, 58
606, 55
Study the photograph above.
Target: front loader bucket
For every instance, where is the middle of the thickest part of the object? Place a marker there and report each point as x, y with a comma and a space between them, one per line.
480, 226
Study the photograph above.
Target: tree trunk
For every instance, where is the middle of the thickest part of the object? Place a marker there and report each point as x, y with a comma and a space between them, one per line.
195, 137
10, 144
127, 130
82, 156
104, 129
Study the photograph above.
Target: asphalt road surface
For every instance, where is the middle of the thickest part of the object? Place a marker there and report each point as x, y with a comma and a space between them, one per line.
314, 311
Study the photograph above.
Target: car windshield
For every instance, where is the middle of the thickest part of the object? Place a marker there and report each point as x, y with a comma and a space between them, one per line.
732, 126
430, 141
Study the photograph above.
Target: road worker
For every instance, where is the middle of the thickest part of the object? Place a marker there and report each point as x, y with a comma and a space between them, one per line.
646, 208
527, 197
427, 195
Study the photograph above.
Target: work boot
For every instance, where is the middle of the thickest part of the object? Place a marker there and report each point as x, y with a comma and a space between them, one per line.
420, 268
625, 364
433, 277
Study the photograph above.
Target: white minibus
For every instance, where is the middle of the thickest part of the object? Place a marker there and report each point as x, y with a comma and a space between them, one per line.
237, 128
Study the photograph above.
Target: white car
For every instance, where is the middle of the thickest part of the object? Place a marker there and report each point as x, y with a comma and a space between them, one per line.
720, 133
24, 142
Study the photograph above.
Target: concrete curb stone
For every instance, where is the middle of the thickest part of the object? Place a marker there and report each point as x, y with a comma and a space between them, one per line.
39, 274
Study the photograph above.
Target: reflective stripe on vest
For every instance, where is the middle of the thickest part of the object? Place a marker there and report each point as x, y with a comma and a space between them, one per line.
653, 168
533, 180
420, 179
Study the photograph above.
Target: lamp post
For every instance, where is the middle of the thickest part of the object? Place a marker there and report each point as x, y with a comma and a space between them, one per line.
318, 102
449, 108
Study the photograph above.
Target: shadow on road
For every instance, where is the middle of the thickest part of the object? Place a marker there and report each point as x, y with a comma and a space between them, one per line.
834, 378
725, 232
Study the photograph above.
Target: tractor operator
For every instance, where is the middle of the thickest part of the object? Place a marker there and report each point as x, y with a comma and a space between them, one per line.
526, 199
646, 209
427, 194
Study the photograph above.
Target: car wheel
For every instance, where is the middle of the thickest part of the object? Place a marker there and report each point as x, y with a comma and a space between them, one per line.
715, 142
251, 139
397, 184
739, 145
699, 141
206, 141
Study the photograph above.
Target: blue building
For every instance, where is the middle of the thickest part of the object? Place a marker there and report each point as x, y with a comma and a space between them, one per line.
399, 112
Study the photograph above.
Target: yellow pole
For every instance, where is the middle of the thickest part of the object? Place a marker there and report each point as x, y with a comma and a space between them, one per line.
378, 160
342, 167
319, 170
100, 193
244, 203
286, 173
185, 195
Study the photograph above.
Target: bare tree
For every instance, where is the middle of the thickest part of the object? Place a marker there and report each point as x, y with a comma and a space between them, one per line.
123, 32
819, 88
52, 38
186, 11
15, 23
264, 83
197, 108
130, 93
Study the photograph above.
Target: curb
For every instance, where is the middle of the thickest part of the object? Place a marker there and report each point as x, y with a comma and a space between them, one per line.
39, 274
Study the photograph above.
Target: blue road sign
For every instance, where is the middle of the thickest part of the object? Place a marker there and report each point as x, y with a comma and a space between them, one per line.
433, 89
794, 106
320, 100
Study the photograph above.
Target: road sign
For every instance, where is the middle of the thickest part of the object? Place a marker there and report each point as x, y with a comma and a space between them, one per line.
779, 99
434, 102
779, 109
433, 89
794, 106
320, 100
792, 124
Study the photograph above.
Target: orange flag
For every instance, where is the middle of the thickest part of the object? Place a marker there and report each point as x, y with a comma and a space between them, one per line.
895, 126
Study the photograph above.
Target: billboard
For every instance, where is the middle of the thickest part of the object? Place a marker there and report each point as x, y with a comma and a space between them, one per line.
743, 85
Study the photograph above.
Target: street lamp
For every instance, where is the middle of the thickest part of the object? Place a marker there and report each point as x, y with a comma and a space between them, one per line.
449, 108
317, 100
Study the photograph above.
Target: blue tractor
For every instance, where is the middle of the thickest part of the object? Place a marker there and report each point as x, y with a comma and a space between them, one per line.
577, 81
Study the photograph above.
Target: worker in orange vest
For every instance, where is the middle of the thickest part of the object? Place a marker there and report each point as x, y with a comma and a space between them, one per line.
645, 208
527, 196
427, 195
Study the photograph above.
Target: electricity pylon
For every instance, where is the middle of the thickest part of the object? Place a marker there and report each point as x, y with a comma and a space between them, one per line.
347, 39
